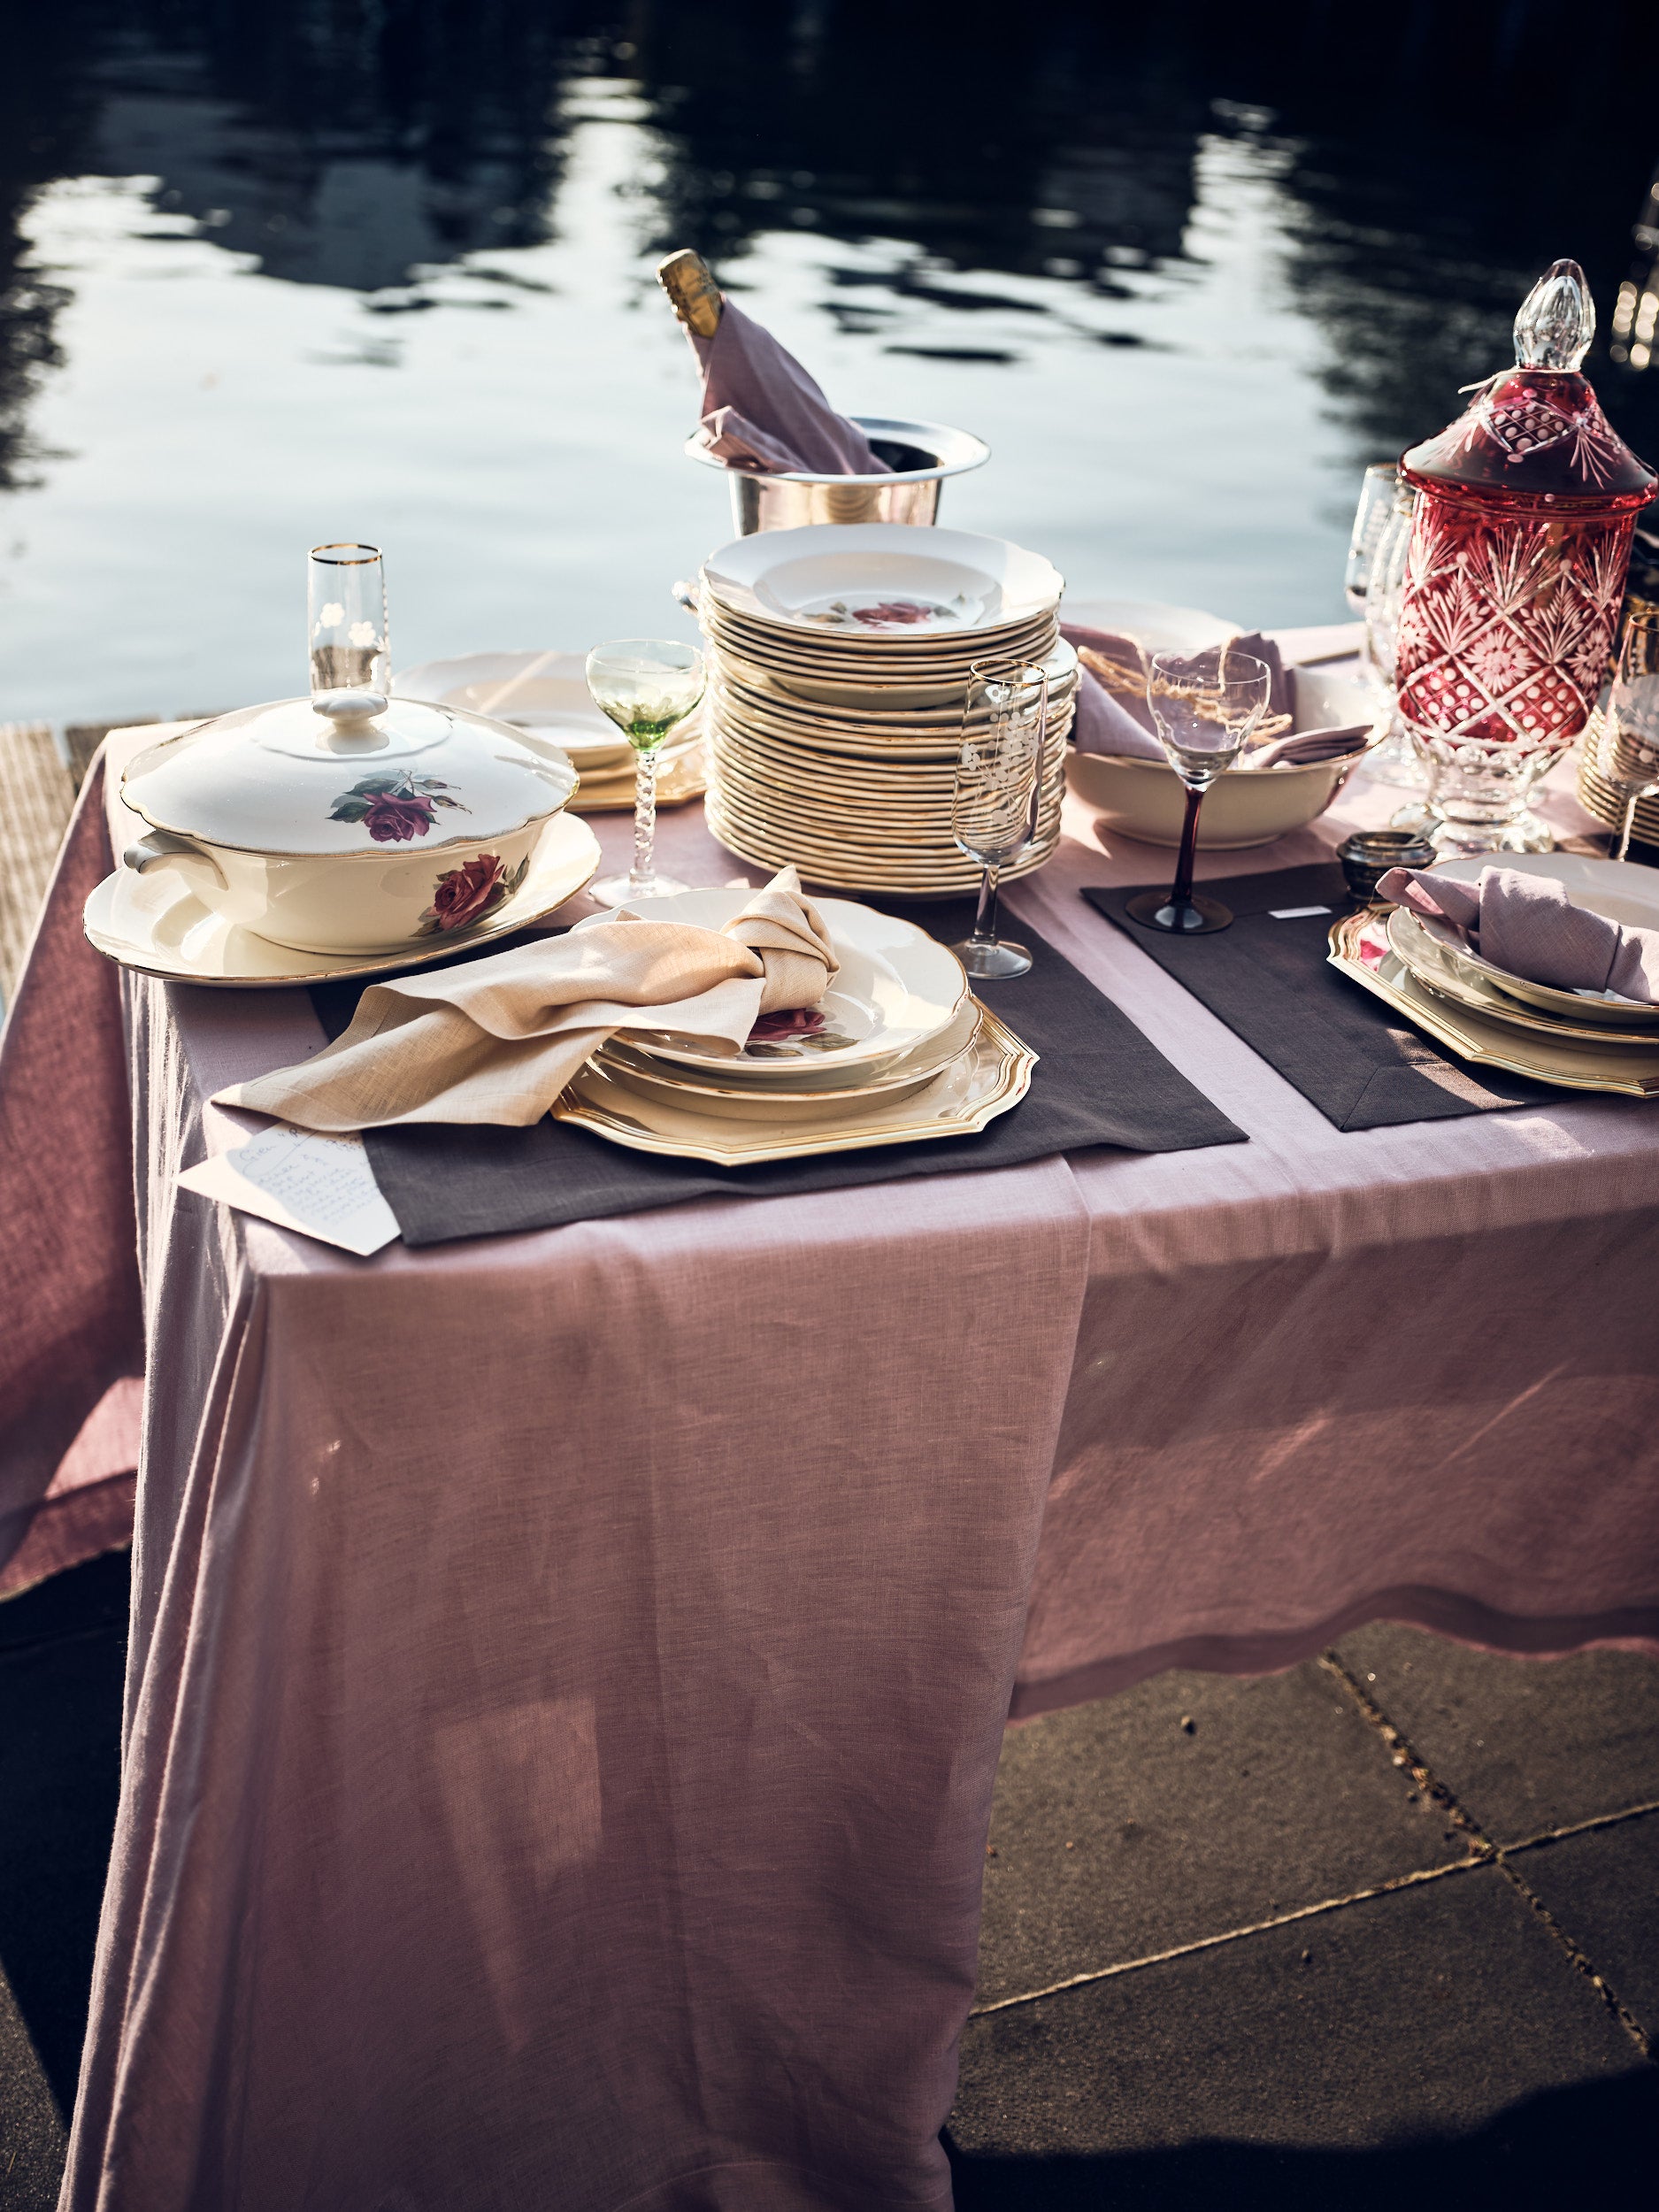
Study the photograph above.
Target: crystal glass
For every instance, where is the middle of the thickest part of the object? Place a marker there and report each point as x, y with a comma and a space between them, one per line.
1627, 746
1205, 706
1396, 760
648, 685
998, 791
1371, 519
350, 661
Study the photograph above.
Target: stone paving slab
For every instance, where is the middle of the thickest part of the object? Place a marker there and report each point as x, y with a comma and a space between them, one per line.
1119, 1832
1603, 1889
1525, 1746
1266, 2068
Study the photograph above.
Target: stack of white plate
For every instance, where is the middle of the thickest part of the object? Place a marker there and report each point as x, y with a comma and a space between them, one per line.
1583, 1039
903, 1053
839, 661
546, 695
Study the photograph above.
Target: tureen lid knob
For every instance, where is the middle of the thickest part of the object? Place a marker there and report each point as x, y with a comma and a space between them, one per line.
346, 709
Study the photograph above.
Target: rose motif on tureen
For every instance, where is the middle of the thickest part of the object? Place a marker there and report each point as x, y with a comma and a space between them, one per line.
394, 808
465, 895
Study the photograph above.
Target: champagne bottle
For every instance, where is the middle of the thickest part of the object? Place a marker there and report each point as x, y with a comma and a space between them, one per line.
696, 295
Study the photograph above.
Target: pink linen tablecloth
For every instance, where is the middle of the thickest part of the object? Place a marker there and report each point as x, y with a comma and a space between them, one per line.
567, 1669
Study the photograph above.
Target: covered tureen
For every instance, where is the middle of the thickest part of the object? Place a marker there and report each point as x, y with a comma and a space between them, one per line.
351, 824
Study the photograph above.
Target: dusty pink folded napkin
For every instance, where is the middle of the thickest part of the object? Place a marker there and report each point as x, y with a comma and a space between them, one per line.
1119, 721
1528, 926
496, 1039
762, 412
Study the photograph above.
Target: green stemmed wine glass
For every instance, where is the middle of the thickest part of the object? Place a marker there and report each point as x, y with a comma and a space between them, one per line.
648, 685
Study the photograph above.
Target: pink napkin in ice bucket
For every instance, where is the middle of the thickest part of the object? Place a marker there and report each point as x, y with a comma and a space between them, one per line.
1528, 926
762, 412
1119, 722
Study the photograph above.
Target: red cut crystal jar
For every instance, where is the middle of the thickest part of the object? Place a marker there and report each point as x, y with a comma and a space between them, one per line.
1525, 508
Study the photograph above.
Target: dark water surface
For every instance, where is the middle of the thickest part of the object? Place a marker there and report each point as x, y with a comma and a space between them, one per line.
274, 275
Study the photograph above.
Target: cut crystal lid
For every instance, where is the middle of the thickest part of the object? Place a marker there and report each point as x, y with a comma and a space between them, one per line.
284, 779
1538, 430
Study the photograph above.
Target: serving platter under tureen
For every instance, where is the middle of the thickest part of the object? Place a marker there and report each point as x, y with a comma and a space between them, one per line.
155, 924
367, 831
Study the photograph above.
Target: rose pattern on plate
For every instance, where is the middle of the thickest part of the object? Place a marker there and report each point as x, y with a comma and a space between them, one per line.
395, 808
465, 895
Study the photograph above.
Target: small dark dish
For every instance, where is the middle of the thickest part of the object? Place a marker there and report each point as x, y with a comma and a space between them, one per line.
1368, 855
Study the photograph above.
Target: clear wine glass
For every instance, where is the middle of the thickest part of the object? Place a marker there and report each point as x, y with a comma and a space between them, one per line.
998, 794
1371, 518
1627, 751
647, 685
349, 655
1205, 705
1395, 760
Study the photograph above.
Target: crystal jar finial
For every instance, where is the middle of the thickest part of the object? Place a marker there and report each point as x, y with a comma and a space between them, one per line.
1557, 321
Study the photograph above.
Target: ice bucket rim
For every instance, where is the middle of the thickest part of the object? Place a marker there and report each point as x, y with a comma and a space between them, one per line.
956, 451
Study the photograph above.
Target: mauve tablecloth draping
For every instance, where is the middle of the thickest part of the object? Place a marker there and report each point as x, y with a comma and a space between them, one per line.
567, 1669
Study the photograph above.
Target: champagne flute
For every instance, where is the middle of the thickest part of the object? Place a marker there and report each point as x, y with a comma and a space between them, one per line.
647, 685
1205, 705
1627, 752
998, 792
345, 613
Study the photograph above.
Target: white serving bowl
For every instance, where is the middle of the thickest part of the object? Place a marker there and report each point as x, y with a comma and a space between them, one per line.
365, 831
1146, 799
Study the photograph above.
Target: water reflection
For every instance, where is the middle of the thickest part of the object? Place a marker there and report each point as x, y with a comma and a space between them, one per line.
1190, 269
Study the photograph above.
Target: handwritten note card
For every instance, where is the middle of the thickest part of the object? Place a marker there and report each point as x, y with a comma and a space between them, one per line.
322, 1185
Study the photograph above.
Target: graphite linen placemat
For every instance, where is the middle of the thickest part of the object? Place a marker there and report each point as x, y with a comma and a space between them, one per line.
1100, 1082
1268, 979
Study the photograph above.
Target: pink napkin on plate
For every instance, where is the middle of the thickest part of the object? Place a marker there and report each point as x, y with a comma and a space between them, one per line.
1528, 926
762, 412
1120, 722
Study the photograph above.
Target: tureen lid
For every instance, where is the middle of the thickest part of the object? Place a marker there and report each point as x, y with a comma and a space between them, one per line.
286, 779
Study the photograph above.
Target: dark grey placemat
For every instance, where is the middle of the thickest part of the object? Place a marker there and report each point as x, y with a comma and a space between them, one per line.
1269, 979
1100, 1082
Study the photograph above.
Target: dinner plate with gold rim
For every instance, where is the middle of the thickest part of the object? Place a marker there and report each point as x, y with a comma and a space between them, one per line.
1620, 891
802, 1102
940, 873
753, 680
1472, 1036
1432, 962
155, 924
991, 1076
795, 577
914, 658
896, 987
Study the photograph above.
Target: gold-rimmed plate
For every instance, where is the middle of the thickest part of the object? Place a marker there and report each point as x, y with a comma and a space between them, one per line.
1376, 967
981, 1083
797, 1097
1432, 963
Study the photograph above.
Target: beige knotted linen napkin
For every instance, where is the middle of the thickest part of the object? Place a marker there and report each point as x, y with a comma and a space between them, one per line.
497, 1039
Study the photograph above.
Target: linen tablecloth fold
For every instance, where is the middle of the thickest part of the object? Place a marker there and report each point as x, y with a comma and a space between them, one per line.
1529, 926
69, 1289
497, 1039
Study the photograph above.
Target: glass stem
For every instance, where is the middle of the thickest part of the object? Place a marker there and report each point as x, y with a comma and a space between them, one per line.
644, 868
984, 920
1181, 894
1630, 818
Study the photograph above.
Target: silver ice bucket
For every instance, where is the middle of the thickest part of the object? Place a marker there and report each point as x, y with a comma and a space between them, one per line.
920, 455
